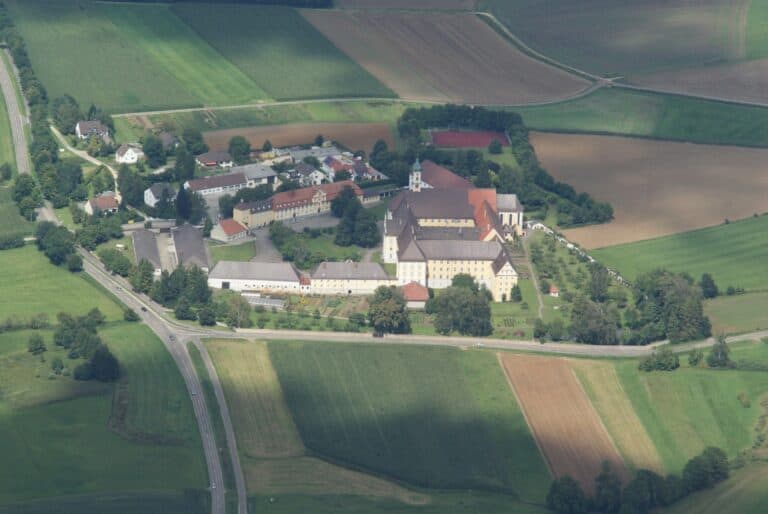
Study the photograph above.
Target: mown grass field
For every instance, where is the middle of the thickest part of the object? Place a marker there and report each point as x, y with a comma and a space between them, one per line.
632, 113
190, 502
626, 36
11, 222
243, 252
280, 51
756, 33
738, 314
29, 284
430, 417
735, 254
59, 432
126, 57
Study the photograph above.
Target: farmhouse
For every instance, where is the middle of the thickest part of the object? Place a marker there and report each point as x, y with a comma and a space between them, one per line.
266, 277
105, 203
257, 174
169, 140
155, 193
91, 128
307, 175
187, 248
416, 295
434, 234
128, 154
215, 159
216, 184
348, 278
228, 230
290, 205
145, 249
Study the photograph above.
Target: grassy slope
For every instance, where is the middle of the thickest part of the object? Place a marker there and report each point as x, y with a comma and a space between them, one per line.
617, 111
432, 417
30, 284
735, 254
738, 314
757, 29
280, 51
689, 409
623, 36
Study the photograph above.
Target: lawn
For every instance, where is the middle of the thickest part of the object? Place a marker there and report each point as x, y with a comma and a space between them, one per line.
188, 502
735, 254
632, 113
689, 409
126, 57
757, 35
81, 453
11, 222
288, 58
625, 36
242, 252
738, 314
29, 284
431, 417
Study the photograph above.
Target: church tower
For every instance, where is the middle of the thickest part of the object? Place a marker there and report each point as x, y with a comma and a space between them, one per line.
414, 179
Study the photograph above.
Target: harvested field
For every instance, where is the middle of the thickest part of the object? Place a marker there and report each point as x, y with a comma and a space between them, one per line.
566, 426
656, 188
467, 139
263, 424
601, 382
443, 57
745, 81
446, 5
355, 136
307, 475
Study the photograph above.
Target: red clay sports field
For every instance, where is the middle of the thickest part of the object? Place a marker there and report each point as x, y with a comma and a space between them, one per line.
466, 139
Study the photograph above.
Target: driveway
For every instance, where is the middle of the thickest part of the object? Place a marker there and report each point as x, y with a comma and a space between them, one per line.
265, 250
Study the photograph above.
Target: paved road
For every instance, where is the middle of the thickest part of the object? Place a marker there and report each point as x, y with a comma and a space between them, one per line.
18, 120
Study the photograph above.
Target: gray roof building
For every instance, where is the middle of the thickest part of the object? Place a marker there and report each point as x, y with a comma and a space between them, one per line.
160, 188
145, 247
319, 153
255, 171
461, 250
349, 271
189, 247
230, 180
508, 203
232, 270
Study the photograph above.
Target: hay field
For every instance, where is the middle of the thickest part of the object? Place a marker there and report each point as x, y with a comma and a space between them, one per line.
566, 426
446, 5
443, 57
657, 188
628, 37
738, 314
602, 384
355, 136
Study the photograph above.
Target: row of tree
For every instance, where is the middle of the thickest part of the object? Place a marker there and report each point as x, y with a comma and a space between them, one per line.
58, 244
358, 226
79, 336
646, 491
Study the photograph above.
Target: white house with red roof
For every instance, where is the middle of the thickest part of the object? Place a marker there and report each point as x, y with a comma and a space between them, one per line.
228, 230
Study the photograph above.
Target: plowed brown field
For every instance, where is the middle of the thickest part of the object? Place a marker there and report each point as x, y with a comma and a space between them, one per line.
443, 57
355, 136
567, 428
656, 188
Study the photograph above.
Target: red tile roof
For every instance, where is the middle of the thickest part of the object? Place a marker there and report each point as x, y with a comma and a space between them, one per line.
104, 203
415, 292
298, 197
231, 227
442, 178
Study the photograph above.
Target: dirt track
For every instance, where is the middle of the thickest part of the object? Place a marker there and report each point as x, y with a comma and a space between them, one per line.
443, 57
355, 136
566, 426
656, 188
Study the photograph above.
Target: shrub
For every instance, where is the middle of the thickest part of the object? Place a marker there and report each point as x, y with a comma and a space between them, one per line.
130, 315
660, 360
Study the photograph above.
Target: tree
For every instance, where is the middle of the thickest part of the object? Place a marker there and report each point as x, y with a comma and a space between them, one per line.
130, 315
366, 229
495, 147
36, 345
183, 310
341, 176
708, 287
464, 310
695, 357
74, 263
183, 204
607, 490
267, 146
184, 168
240, 149
226, 206
599, 283
142, 276
466, 281
66, 114
343, 200
387, 311
483, 178
705, 470
193, 139
154, 151
206, 316
660, 360
116, 262
104, 365
719, 355
516, 295
238, 312
6, 171
57, 365
207, 227
132, 186
593, 323
319, 140
566, 497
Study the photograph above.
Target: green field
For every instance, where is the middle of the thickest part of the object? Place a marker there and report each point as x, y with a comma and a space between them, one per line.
632, 113
431, 417
735, 254
126, 57
242, 252
29, 284
282, 52
11, 222
6, 140
189, 502
624, 36
689, 409
757, 29
738, 314
70, 439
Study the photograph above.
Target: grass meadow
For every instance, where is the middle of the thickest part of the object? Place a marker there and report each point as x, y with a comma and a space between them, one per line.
634, 113
280, 51
756, 35
430, 417
735, 254
738, 314
92, 445
242, 252
11, 222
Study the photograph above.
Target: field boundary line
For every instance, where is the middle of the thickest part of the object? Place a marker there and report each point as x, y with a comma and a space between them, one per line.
511, 385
